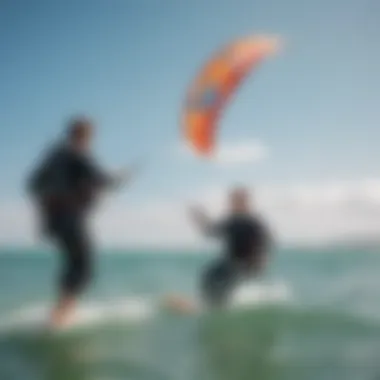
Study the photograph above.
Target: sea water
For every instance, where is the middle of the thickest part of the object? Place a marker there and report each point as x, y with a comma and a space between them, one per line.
316, 315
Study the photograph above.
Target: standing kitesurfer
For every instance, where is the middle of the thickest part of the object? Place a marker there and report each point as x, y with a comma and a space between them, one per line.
64, 188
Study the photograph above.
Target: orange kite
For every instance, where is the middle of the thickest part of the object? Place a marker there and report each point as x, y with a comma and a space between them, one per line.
215, 84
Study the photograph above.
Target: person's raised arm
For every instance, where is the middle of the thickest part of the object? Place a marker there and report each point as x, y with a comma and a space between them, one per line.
204, 223
105, 180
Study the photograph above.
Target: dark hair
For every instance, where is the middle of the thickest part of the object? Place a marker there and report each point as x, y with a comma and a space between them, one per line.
78, 127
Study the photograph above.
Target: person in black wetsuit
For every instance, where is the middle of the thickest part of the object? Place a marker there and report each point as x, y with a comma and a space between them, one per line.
246, 241
64, 188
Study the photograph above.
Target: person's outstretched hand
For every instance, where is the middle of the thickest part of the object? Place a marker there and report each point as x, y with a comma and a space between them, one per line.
198, 215
195, 211
125, 175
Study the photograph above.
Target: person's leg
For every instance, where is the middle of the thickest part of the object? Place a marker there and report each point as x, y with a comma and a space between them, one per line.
76, 254
63, 310
217, 283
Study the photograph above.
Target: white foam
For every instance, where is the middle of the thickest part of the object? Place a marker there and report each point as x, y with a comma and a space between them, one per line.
121, 311
130, 310
247, 296
252, 294
24, 318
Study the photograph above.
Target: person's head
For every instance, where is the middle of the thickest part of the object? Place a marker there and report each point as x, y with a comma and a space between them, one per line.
80, 132
239, 200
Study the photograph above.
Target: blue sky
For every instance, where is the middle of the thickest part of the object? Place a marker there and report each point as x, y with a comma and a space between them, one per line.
128, 64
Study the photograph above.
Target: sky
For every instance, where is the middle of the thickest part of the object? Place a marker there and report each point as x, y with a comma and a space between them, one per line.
302, 132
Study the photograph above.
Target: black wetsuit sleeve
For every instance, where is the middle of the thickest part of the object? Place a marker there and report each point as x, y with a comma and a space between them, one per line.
97, 176
217, 229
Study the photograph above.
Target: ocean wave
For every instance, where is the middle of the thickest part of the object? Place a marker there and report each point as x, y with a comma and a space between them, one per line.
270, 301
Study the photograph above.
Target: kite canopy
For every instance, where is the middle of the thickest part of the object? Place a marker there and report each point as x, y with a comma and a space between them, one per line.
215, 84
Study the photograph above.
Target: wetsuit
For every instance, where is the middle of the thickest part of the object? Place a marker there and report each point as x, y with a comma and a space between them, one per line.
64, 187
246, 242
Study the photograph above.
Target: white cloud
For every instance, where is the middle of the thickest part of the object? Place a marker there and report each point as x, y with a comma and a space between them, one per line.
241, 152
237, 152
305, 212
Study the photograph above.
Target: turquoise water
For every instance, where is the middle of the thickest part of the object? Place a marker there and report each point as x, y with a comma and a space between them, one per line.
328, 328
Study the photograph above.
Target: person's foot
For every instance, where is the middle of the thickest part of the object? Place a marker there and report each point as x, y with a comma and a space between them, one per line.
62, 314
179, 304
